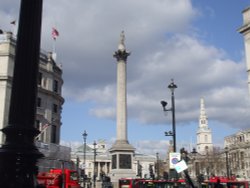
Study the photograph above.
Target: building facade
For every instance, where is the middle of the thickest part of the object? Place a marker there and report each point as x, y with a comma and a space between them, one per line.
103, 165
245, 31
238, 151
49, 96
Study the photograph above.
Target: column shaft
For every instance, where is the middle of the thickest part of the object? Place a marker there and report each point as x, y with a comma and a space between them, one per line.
121, 101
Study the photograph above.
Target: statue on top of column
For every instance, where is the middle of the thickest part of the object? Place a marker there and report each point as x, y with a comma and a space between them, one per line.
121, 45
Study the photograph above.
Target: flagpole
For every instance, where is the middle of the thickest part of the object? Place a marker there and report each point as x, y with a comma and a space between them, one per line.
54, 50
54, 46
55, 34
43, 129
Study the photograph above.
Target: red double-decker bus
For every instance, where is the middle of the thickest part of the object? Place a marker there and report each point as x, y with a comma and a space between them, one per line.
149, 183
225, 182
57, 178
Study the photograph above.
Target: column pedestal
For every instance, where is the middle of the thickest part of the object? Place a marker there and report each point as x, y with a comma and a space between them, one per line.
122, 155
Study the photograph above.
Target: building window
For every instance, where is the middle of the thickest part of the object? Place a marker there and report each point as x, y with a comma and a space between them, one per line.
55, 108
44, 82
55, 86
53, 134
39, 102
37, 125
40, 76
206, 138
206, 148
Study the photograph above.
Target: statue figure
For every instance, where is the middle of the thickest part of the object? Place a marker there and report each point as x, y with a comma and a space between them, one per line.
121, 45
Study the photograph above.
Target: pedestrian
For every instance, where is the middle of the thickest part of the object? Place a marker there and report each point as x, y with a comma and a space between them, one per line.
218, 184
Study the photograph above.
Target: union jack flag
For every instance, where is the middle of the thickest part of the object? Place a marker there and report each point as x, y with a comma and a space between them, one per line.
54, 33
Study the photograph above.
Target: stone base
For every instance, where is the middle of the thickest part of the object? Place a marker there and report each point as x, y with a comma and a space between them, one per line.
117, 174
123, 166
122, 145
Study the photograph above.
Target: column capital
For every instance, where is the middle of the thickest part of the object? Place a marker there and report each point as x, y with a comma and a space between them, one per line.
121, 55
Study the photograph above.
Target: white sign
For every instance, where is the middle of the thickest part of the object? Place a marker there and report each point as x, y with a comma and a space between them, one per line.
174, 158
180, 166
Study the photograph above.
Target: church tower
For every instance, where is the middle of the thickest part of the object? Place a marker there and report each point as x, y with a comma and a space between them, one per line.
204, 134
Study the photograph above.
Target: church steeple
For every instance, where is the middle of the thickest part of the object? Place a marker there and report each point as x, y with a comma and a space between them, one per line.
203, 123
204, 134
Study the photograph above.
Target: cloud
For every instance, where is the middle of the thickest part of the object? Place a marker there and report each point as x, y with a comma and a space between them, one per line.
150, 147
164, 45
162, 48
199, 71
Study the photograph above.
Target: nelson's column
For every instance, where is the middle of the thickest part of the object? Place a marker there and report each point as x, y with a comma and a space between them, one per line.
121, 152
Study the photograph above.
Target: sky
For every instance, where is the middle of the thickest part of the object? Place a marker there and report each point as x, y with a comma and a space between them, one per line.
194, 42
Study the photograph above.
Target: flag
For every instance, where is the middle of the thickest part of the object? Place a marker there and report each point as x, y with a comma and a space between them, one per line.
54, 33
13, 22
43, 129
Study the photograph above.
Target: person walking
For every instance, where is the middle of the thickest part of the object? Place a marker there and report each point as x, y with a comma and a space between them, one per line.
218, 184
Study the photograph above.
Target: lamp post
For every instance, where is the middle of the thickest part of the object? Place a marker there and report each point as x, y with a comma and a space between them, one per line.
172, 87
194, 152
227, 164
157, 165
77, 165
94, 174
18, 154
172, 133
84, 135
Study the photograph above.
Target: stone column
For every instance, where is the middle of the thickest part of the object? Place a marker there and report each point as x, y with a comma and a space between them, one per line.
121, 108
121, 152
244, 30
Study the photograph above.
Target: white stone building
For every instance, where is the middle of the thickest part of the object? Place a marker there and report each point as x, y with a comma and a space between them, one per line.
49, 97
49, 102
140, 164
238, 148
245, 31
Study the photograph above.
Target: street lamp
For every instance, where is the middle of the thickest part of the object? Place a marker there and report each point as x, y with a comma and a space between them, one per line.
77, 165
157, 165
84, 135
19, 154
172, 133
194, 153
94, 177
227, 164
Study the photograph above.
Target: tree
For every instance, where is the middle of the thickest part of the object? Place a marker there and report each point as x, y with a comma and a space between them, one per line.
210, 164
